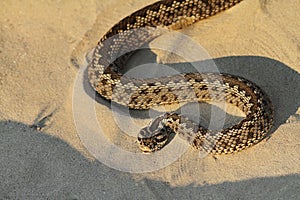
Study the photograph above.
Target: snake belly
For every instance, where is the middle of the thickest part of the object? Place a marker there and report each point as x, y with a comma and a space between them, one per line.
145, 25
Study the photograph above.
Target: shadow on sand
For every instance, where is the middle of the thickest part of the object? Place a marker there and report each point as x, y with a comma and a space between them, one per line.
280, 82
35, 165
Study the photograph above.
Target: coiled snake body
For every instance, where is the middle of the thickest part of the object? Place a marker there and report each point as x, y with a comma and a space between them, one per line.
137, 29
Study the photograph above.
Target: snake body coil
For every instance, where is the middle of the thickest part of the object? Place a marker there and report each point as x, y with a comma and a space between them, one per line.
105, 77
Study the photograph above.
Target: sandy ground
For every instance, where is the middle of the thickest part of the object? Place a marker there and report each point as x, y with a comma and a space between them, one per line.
45, 152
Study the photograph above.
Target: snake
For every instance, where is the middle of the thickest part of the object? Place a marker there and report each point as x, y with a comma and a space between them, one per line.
143, 26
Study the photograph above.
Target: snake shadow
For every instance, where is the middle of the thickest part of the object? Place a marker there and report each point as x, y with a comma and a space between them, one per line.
280, 82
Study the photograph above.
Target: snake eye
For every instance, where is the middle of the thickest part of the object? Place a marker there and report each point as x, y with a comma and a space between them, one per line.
160, 138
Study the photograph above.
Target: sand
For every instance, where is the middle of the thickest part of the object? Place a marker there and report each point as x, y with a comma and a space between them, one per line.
45, 147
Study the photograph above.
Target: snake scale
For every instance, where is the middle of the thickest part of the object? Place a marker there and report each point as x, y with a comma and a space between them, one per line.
137, 29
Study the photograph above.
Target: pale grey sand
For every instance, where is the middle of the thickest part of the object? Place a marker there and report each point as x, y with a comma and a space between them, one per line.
44, 43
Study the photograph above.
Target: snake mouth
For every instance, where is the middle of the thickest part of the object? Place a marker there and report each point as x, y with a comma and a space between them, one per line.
145, 149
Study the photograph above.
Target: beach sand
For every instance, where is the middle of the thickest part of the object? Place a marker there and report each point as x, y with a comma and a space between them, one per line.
46, 151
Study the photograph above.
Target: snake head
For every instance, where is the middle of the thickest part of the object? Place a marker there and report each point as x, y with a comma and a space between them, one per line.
155, 136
